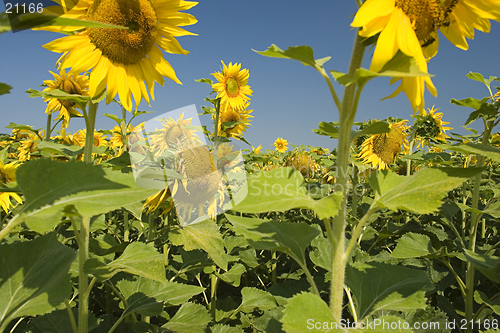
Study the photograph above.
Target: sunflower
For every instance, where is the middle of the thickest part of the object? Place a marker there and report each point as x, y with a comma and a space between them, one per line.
133, 136
281, 145
381, 149
430, 126
174, 134
8, 175
238, 119
232, 86
257, 150
410, 26
72, 84
127, 61
303, 163
27, 149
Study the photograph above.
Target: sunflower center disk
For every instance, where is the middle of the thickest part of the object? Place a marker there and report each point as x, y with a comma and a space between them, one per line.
71, 88
232, 86
426, 16
122, 46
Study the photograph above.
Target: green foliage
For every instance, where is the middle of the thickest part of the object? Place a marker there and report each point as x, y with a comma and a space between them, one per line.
191, 318
34, 278
4, 88
302, 53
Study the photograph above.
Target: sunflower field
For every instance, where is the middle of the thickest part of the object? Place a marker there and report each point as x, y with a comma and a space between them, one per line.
171, 226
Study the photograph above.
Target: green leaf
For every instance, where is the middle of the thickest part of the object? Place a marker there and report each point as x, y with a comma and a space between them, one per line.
207, 81
412, 245
489, 266
422, 192
290, 238
190, 318
34, 278
4, 88
387, 287
117, 119
482, 107
205, 236
60, 149
374, 128
59, 322
478, 77
4, 23
255, 298
302, 53
89, 189
219, 328
474, 148
59, 94
233, 276
482, 298
330, 129
493, 209
282, 189
147, 297
322, 254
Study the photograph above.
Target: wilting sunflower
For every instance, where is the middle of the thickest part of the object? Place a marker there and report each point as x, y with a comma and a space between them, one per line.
240, 118
430, 126
410, 26
232, 86
8, 175
303, 163
70, 83
381, 149
281, 145
127, 61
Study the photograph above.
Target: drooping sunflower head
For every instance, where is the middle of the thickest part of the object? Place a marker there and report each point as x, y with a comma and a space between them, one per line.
232, 86
126, 61
233, 122
70, 83
303, 163
8, 175
380, 150
281, 145
430, 126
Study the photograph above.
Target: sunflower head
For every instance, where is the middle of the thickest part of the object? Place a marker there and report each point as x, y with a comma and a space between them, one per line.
232, 86
430, 126
235, 121
257, 150
380, 150
303, 163
173, 135
8, 175
70, 83
281, 145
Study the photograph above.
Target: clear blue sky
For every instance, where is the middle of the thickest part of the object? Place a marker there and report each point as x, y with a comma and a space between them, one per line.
288, 99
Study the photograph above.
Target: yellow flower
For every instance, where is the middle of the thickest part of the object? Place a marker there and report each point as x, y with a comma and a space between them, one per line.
228, 114
381, 149
27, 149
173, 135
8, 175
257, 150
303, 163
232, 86
410, 26
281, 145
116, 141
430, 126
127, 61
72, 84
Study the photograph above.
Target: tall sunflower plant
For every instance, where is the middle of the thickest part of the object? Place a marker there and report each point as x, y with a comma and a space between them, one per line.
405, 36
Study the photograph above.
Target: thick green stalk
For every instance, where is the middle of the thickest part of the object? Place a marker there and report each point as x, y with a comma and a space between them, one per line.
469, 278
126, 231
337, 238
48, 130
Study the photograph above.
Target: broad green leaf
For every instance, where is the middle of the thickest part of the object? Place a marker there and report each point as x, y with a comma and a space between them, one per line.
59, 94
482, 298
283, 189
255, 298
207, 81
233, 276
387, 287
190, 318
60, 149
474, 148
290, 238
269, 322
205, 236
4, 88
302, 53
374, 128
322, 254
34, 277
330, 129
482, 107
412, 245
478, 77
493, 209
59, 322
49, 186
488, 265
147, 297
420, 193
35, 20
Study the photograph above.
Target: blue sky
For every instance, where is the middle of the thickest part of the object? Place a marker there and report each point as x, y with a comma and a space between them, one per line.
289, 99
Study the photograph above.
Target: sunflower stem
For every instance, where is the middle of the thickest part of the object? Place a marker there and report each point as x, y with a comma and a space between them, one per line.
48, 130
89, 135
217, 112
337, 234
126, 227
469, 278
